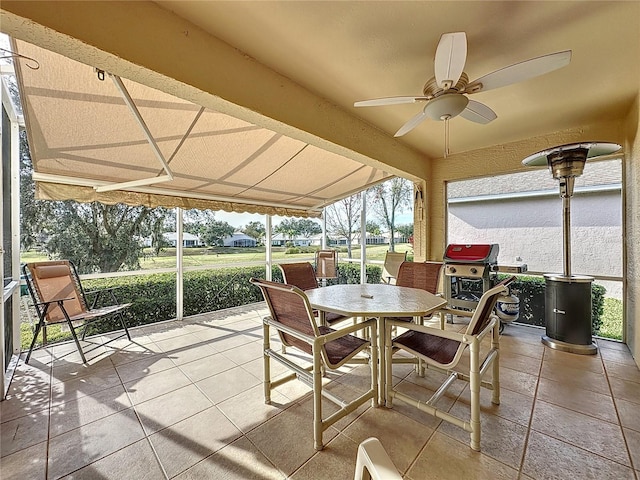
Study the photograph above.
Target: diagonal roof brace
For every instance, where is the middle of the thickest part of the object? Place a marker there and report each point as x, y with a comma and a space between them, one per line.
136, 113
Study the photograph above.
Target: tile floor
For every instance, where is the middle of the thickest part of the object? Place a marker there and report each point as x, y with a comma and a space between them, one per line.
184, 401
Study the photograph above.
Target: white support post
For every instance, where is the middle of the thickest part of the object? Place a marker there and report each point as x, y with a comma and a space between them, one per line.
267, 241
363, 239
179, 266
323, 242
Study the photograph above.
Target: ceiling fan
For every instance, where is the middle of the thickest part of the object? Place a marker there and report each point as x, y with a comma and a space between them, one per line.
446, 92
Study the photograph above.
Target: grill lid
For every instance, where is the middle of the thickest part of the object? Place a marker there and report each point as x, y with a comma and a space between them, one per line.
479, 253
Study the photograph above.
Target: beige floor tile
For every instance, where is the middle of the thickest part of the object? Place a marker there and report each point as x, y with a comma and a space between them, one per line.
421, 393
336, 461
164, 331
165, 410
77, 448
256, 368
549, 458
403, 437
618, 355
500, 438
517, 381
245, 353
231, 341
147, 365
433, 379
629, 414
293, 430
510, 345
186, 348
28, 463
237, 461
248, 410
156, 384
133, 352
135, 461
206, 367
89, 408
625, 390
186, 443
586, 379
514, 406
23, 432
444, 458
559, 359
623, 371
633, 442
227, 384
589, 433
28, 393
79, 387
522, 363
64, 371
578, 399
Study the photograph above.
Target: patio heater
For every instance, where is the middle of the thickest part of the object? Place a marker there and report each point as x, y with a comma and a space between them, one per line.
568, 296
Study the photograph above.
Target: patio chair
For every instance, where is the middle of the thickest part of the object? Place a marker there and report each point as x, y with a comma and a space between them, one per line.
373, 462
58, 298
303, 276
326, 264
392, 262
425, 276
441, 350
292, 317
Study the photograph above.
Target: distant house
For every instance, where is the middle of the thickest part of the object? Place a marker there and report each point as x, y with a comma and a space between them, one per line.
281, 240
239, 239
188, 239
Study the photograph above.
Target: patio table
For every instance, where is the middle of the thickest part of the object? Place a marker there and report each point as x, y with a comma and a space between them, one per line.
375, 300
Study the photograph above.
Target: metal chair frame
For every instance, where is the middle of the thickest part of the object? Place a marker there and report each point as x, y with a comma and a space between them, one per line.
419, 339
68, 303
315, 343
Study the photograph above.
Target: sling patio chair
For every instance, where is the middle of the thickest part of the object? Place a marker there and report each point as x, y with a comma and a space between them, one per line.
292, 317
441, 350
422, 275
303, 276
326, 264
392, 262
58, 297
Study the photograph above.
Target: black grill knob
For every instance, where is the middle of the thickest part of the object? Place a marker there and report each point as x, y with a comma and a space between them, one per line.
452, 269
474, 270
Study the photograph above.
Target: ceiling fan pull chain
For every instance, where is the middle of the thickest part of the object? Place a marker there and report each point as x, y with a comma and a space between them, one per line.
446, 136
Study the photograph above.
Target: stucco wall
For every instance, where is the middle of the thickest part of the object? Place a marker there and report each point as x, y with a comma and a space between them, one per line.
530, 229
632, 227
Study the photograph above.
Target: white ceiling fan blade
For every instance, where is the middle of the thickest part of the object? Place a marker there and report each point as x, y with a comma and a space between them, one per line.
520, 72
478, 112
411, 124
376, 102
451, 56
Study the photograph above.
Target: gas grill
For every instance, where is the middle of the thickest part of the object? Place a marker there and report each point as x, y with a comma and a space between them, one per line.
471, 270
467, 273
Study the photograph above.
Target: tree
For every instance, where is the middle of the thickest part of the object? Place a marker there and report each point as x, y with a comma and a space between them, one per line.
388, 199
405, 230
215, 232
343, 218
255, 230
372, 227
96, 237
293, 227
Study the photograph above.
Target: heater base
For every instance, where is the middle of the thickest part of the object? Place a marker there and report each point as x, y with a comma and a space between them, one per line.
569, 347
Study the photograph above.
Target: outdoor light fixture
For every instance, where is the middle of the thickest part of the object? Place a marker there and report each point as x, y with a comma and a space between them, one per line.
567, 296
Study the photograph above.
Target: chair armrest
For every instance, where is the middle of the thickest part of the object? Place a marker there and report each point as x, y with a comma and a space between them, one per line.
55, 300
373, 457
97, 294
458, 337
343, 332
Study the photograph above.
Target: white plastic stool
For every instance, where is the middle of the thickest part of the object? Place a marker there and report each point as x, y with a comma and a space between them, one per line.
373, 462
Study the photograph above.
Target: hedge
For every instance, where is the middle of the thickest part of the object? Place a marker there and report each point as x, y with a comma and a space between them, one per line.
153, 296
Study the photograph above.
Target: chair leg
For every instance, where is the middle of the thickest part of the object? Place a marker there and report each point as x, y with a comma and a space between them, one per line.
317, 399
75, 338
266, 361
495, 381
474, 386
388, 353
35, 337
124, 325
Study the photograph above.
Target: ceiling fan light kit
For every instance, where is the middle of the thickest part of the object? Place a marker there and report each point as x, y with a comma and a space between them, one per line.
446, 106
